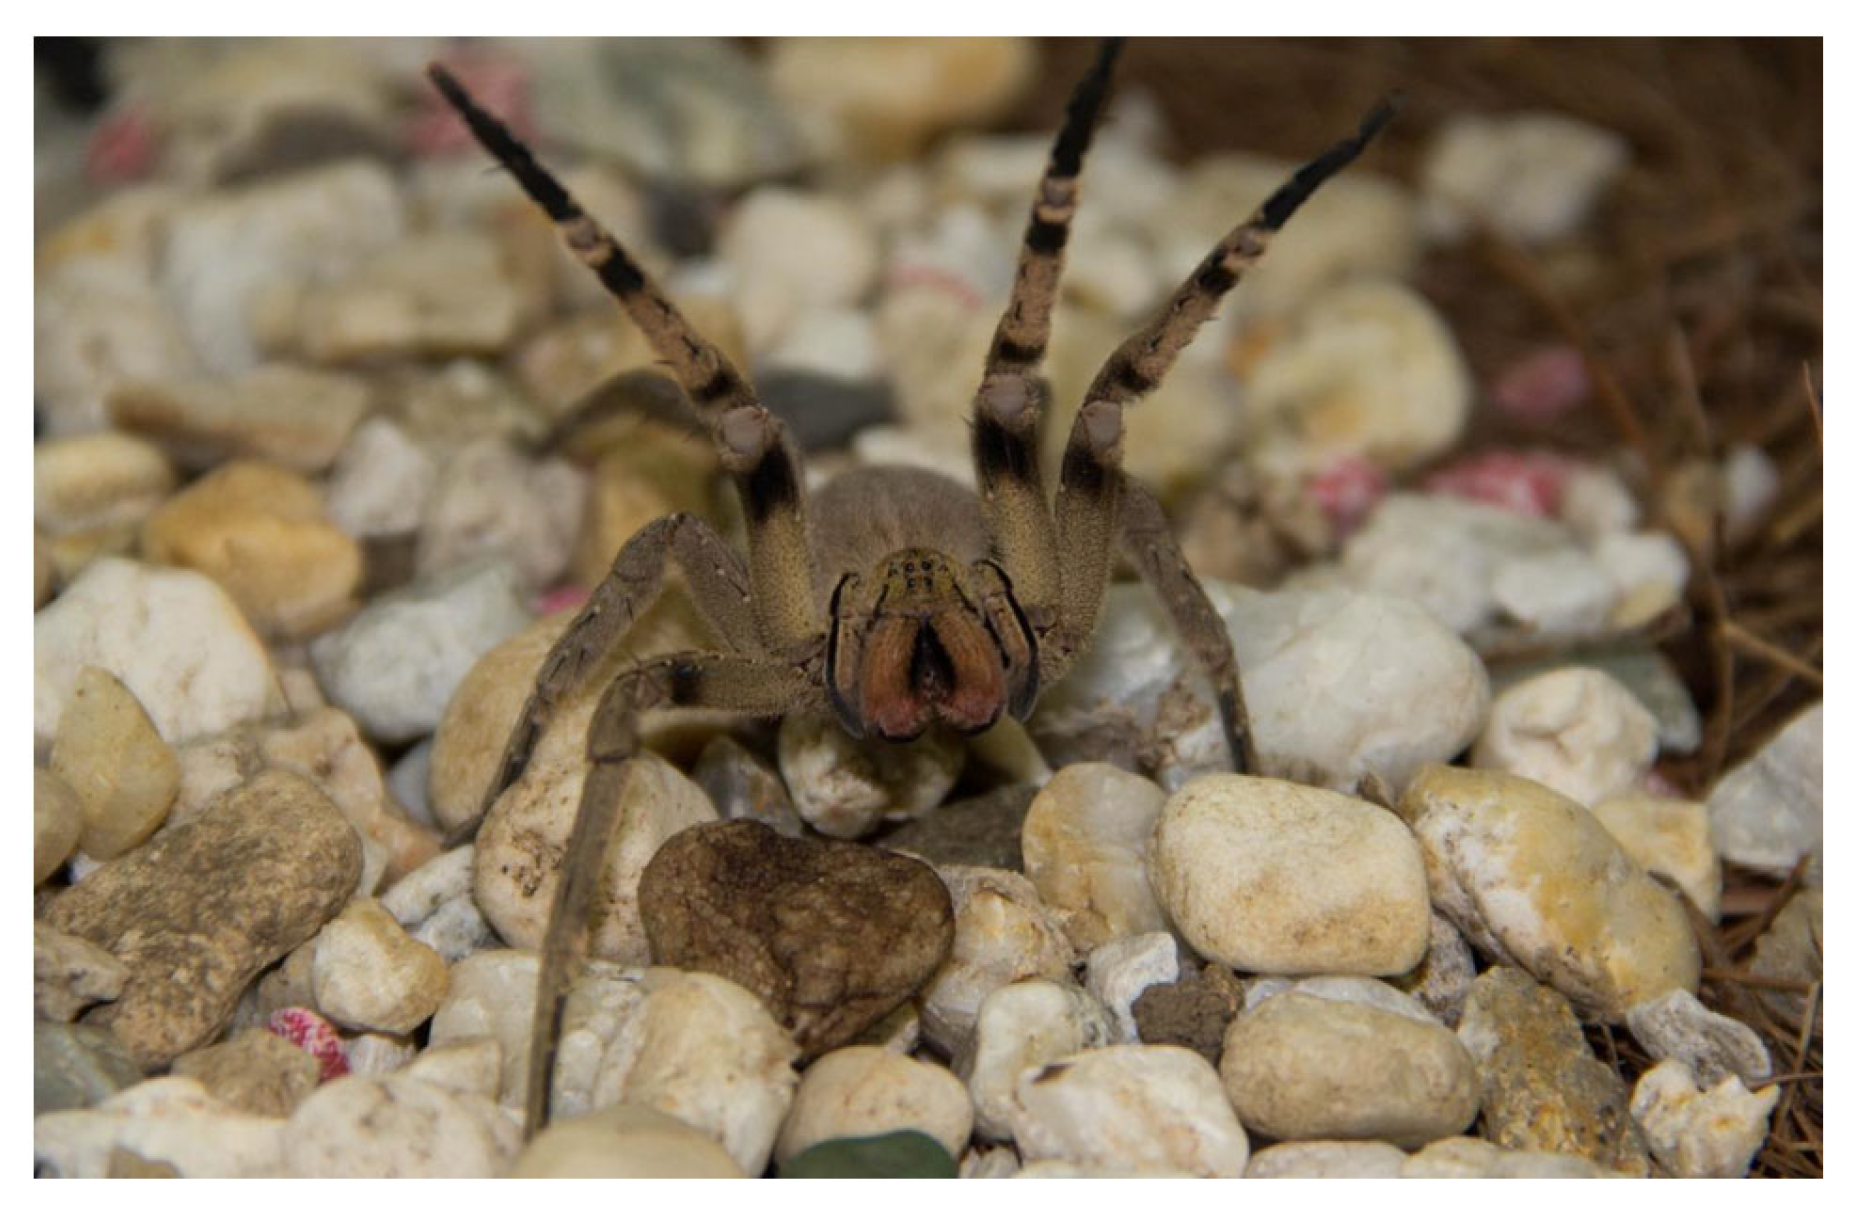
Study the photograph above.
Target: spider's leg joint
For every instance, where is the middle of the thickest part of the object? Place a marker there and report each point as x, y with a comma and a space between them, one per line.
1007, 398
1103, 423
747, 433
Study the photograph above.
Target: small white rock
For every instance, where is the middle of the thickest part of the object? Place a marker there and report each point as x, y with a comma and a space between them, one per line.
1556, 593
1019, 1027
625, 1141
1596, 503
171, 1120
1085, 841
864, 1092
792, 250
1533, 176
1268, 876
1670, 837
380, 481
1131, 1107
1766, 813
394, 665
845, 787
1576, 730
1367, 369
1003, 934
172, 637
1712, 1047
838, 342
1701, 1134
489, 502
1327, 1160
397, 1127
368, 974
1118, 972
1472, 1158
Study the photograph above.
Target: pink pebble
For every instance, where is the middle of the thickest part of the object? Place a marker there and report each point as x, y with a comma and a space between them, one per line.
314, 1034
1530, 483
501, 86
1543, 386
122, 149
567, 596
1348, 491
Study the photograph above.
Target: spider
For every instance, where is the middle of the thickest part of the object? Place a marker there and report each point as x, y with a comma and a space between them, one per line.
896, 598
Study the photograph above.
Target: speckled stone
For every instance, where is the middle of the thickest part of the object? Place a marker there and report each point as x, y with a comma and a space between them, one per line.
1532, 878
196, 915
832, 936
397, 1127
1712, 1046
1541, 1088
1697, 1132
1193, 1012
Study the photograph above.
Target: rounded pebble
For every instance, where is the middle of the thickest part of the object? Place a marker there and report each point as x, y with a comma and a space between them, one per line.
845, 787
1003, 934
1024, 1026
1577, 730
396, 1127
1267, 876
368, 974
57, 822
1327, 1160
625, 1141
1084, 842
125, 777
1533, 879
863, 1092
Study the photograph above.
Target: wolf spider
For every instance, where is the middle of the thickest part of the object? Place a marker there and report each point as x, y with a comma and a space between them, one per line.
896, 598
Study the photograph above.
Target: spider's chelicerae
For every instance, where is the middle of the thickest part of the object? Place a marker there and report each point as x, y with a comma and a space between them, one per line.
894, 598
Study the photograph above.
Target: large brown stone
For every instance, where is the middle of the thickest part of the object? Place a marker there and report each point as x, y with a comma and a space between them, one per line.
832, 936
198, 912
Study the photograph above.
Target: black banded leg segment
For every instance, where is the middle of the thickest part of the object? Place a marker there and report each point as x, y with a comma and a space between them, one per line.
1146, 539
747, 436
719, 590
749, 684
1139, 365
1011, 400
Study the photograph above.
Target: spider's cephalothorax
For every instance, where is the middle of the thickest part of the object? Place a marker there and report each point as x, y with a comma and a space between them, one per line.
899, 599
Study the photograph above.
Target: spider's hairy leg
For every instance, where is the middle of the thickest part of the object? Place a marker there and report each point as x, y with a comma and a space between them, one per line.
719, 590
1011, 399
745, 683
1091, 482
1147, 540
754, 445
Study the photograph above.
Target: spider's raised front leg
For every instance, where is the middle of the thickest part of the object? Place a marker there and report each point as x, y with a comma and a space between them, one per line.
719, 590
1093, 493
749, 684
1009, 404
754, 446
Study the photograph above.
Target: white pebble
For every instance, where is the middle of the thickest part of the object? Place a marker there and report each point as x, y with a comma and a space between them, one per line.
1327, 1160
172, 637
845, 787
380, 482
172, 1120
394, 665
792, 250
1577, 730
1766, 813
1118, 972
625, 1141
1085, 841
1003, 934
1533, 176
1711, 1046
1024, 1026
1701, 1134
1131, 1107
1557, 593
397, 1127
864, 1092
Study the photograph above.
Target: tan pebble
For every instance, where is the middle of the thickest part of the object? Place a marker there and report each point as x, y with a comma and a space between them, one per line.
57, 822
1670, 837
863, 1092
625, 1141
1085, 839
368, 973
326, 746
253, 1071
261, 532
111, 754
87, 482
44, 569
287, 415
